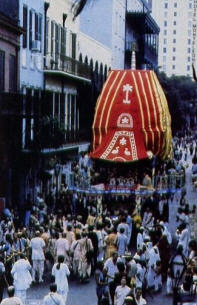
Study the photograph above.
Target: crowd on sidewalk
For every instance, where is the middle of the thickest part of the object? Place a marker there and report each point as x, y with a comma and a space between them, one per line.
127, 246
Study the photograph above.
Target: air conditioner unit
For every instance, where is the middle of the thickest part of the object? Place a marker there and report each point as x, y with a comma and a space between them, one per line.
36, 46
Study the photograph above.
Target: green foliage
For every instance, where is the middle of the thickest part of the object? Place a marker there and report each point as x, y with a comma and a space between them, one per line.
180, 92
50, 134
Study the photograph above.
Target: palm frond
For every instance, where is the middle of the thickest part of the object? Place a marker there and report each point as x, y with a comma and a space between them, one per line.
78, 6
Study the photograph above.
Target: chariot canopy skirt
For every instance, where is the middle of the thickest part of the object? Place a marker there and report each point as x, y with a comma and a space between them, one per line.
132, 119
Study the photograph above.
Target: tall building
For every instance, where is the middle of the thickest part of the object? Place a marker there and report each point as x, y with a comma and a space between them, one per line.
174, 18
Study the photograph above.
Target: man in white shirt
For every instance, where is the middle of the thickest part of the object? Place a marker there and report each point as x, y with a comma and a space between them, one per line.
121, 292
53, 298
111, 267
11, 300
138, 297
62, 246
22, 277
37, 245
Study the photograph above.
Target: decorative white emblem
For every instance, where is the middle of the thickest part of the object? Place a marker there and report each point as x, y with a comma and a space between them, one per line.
115, 151
127, 152
123, 141
125, 120
127, 88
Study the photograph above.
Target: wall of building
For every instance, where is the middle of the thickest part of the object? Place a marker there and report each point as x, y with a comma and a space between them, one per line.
31, 68
175, 40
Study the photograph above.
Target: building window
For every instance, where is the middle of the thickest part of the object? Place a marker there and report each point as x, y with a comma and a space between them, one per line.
190, 5
174, 49
189, 41
165, 32
63, 41
40, 28
165, 41
173, 67
2, 70
175, 14
52, 36
174, 32
174, 23
12, 73
74, 44
30, 30
57, 39
173, 58
188, 68
165, 23
164, 50
174, 40
189, 24
47, 35
175, 4
188, 50
25, 26
189, 33
165, 5
189, 59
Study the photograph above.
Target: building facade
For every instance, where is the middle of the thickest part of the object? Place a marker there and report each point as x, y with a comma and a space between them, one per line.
104, 21
142, 35
175, 41
9, 100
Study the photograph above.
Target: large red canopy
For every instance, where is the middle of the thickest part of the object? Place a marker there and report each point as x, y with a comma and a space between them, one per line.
132, 119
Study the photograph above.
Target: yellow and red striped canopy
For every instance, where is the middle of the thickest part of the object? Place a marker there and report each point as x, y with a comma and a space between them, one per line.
132, 120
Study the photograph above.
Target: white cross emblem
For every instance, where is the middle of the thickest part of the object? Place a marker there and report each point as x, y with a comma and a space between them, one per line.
127, 88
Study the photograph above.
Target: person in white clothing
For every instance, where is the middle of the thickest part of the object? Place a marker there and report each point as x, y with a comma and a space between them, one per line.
53, 298
37, 245
138, 296
121, 292
62, 246
11, 300
183, 238
60, 271
22, 277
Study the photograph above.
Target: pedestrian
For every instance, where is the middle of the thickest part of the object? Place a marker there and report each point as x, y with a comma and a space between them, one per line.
86, 249
101, 281
22, 277
122, 242
37, 245
11, 300
53, 298
60, 271
121, 292
3, 280
111, 268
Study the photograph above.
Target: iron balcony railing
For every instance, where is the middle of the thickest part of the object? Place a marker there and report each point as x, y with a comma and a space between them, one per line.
67, 64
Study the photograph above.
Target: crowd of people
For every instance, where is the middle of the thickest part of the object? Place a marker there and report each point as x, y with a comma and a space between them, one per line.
123, 241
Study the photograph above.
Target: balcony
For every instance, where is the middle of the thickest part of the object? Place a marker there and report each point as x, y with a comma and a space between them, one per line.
67, 66
142, 22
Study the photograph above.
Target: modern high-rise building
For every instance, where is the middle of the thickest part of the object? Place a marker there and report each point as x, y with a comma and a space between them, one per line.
174, 18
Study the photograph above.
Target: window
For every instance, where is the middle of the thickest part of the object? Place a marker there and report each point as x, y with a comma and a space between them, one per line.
189, 24
175, 4
74, 42
25, 26
165, 32
165, 41
47, 35
12, 73
57, 39
190, 5
189, 41
165, 5
174, 32
30, 30
63, 41
40, 28
173, 67
2, 70
189, 33
164, 50
188, 50
188, 68
52, 36
173, 58
174, 49
165, 23
174, 40
36, 26
189, 59
175, 14
174, 23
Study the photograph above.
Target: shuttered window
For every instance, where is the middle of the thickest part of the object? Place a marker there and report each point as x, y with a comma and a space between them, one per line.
47, 35
74, 40
36, 27
12, 73
2, 70
63, 41
30, 30
52, 36
25, 26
